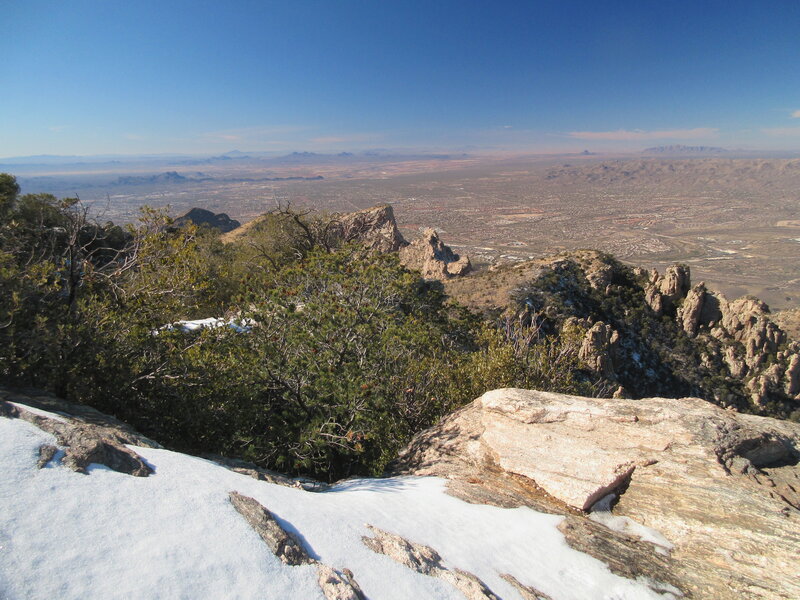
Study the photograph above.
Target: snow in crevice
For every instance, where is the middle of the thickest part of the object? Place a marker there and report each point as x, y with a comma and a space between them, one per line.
601, 513
175, 534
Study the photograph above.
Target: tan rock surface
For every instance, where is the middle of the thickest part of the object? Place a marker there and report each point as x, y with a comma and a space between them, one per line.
721, 486
374, 227
598, 349
432, 258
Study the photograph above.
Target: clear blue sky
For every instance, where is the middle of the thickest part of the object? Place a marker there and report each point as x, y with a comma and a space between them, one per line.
137, 76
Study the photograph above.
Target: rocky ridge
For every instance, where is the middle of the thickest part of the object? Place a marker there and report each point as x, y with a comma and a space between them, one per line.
738, 334
376, 229
646, 333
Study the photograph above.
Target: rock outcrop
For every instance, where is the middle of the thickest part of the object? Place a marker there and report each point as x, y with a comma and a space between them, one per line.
285, 546
723, 488
664, 292
374, 227
599, 349
200, 216
675, 283
738, 333
432, 258
86, 435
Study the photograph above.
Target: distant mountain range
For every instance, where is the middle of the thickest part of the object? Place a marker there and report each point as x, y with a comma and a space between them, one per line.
685, 150
681, 173
169, 177
233, 155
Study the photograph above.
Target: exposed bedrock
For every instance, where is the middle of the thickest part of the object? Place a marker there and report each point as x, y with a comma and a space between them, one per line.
432, 258
722, 487
86, 435
374, 227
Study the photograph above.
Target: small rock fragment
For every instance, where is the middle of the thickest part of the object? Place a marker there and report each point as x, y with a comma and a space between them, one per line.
46, 454
527, 592
281, 543
425, 560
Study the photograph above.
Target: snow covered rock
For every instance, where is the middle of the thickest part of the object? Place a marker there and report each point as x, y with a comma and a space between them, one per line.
239, 326
281, 543
285, 546
83, 443
722, 488
427, 561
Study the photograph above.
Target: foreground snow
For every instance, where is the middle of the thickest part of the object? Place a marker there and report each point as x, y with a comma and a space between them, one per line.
175, 534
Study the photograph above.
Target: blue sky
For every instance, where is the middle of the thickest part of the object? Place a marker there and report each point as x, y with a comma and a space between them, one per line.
101, 77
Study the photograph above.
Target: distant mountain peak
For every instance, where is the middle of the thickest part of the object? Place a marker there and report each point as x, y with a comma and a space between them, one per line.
202, 216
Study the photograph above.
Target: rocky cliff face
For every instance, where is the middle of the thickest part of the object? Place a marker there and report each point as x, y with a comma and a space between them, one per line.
717, 492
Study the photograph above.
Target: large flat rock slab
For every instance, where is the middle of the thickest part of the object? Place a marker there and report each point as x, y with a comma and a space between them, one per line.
722, 487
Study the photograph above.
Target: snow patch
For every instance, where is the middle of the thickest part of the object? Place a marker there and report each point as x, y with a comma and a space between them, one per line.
39, 412
175, 534
209, 323
601, 513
